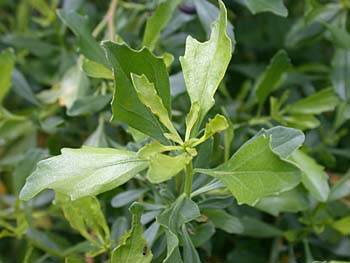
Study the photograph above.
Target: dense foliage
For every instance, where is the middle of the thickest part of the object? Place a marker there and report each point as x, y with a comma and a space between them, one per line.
174, 131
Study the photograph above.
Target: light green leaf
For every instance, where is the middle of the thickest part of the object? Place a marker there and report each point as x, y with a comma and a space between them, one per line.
96, 70
340, 73
293, 201
342, 225
182, 211
255, 171
7, 63
272, 77
284, 141
133, 247
224, 220
324, 100
274, 6
191, 119
313, 176
158, 21
126, 105
81, 172
163, 167
85, 215
207, 13
302, 121
219, 123
341, 37
149, 97
89, 47
204, 64
98, 138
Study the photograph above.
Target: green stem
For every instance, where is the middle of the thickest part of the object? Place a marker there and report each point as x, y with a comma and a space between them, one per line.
188, 179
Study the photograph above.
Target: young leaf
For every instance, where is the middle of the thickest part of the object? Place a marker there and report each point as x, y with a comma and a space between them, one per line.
324, 100
204, 64
219, 123
163, 167
81, 172
126, 105
133, 247
293, 201
340, 73
7, 63
149, 97
158, 21
183, 210
89, 47
284, 141
272, 77
313, 176
255, 171
274, 6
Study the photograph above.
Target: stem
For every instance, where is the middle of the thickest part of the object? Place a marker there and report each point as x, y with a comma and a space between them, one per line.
110, 19
188, 179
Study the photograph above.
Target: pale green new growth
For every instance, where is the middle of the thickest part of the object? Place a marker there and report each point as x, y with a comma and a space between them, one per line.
204, 64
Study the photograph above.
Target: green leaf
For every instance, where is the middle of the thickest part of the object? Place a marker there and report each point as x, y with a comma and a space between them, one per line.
7, 63
96, 70
219, 123
274, 6
190, 253
85, 215
158, 21
302, 121
341, 37
255, 171
81, 172
342, 225
207, 13
89, 47
340, 189
340, 73
272, 77
284, 141
224, 220
182, 211
149, 97
324, 100
253, 227
313, 176
21, 87
204, 64
133, 247
126, 105
163, 167
127, 197
292, 201
88, 104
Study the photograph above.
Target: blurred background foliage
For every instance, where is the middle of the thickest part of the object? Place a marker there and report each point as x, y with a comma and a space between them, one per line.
58, 97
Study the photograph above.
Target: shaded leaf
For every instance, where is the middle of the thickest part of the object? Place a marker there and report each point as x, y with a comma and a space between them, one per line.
224, 220
7, 63
133, 247
340, 73
274, 6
